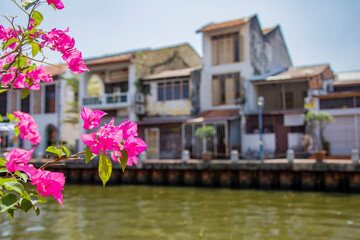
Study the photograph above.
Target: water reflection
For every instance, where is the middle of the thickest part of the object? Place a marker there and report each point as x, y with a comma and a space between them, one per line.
138, 212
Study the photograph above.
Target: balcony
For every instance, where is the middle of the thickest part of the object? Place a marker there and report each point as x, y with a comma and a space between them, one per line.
106, 100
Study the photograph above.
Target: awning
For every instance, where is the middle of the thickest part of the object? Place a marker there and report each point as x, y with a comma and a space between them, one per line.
6, 127
216, 115
155, 121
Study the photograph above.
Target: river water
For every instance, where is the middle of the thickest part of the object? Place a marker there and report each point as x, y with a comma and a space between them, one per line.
144, 212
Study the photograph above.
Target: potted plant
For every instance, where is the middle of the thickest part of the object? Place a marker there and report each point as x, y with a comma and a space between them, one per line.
206, 133
316, 122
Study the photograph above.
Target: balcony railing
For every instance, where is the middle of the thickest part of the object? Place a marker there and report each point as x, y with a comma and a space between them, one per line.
113, 99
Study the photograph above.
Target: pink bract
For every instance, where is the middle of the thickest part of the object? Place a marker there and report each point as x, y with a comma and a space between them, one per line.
91, 118
28, 128
49, 183
57, 3
129, 128
17, 158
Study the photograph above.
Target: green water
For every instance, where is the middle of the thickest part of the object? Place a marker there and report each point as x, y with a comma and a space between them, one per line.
142, 212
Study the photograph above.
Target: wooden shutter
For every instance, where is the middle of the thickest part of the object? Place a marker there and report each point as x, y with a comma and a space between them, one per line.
14, 101
242, 48
229, 89
37, 99
215, 92
214, 49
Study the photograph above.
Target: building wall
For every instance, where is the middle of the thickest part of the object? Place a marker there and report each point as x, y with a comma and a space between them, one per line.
250, 145
168, 58
208, 69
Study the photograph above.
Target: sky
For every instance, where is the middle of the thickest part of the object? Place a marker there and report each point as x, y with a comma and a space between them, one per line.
315, 31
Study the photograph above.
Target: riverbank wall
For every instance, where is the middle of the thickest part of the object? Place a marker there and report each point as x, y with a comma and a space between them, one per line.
302, 175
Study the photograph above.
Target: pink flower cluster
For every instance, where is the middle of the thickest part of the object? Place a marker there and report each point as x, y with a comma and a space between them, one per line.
47, 183
57, 3
30, 80
60, 41
7, 34
28, 128
111, 137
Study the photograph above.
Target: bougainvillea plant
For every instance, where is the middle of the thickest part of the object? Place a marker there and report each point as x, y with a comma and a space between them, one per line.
22, 59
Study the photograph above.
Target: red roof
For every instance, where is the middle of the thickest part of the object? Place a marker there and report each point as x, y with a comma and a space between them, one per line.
109, 60
220, 114
267, 30
231, 23
55, 70
299, 72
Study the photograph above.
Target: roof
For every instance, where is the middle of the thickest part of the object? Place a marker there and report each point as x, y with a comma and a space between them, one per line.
296, 73
55, 70
217, 115
214, 26
184, 72
162, 120
109, 59
347, 78
267, 30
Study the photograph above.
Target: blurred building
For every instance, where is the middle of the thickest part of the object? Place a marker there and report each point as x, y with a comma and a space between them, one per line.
150, 86
343, 102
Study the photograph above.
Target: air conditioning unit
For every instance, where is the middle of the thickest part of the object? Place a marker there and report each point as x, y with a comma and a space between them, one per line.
140, 109
139, 97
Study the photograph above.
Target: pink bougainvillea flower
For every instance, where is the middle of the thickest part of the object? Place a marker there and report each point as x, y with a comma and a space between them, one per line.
57, 3
49, 183
91, 141
91, 118
75, 62
110, 136
133, 147
129, 128
17, 158
28, 128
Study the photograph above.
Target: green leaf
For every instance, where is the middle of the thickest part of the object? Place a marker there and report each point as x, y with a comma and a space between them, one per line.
1, 118
8, 201
88, 154
40, 199
15, 186
66, 151
23, 176
2, 161
38, 18
6, 180
25, 204
11, 214
124, 159
17, 131
1, 193
9, 42
54, 150
25, 93
36, 210
11, 117
2, 170
34, 49
3, 90
105, 168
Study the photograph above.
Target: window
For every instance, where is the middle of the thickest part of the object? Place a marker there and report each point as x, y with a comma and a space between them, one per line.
225, 48
3, 101
50, 99
226, 88
120, 87
333, 103
289, 100
173, 90
25, 104
161, 92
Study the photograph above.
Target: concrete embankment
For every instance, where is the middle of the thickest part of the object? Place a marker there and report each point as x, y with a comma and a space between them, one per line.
307, 175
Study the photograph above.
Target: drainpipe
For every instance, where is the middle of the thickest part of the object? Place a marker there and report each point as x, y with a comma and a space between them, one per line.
356, 131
